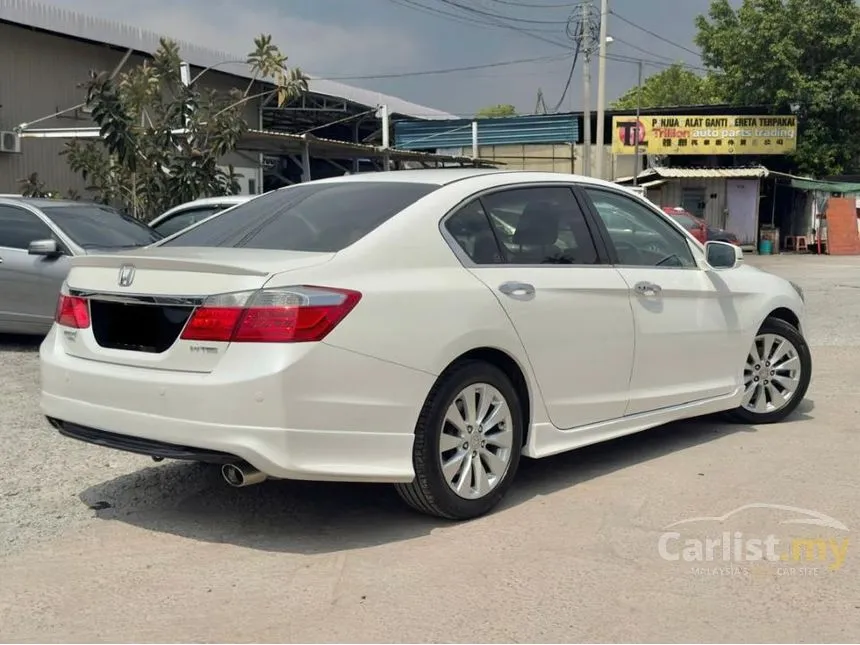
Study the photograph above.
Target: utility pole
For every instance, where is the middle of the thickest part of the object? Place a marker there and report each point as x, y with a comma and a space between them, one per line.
584, 25
386, 137
601, 86
540, 104
636, 135
586, 104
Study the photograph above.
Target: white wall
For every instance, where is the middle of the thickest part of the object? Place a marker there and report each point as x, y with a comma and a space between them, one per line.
250, 179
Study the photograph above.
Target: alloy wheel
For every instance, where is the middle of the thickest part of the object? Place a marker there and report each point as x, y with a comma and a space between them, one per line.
475, 445
772, 374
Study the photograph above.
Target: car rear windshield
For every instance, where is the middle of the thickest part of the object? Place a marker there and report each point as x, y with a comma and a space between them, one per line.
324, 217
92, 226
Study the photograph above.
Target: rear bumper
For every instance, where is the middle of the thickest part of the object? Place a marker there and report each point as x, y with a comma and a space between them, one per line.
332, 415
154, 449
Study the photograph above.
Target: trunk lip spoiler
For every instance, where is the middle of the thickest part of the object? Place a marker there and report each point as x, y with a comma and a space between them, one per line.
115, 261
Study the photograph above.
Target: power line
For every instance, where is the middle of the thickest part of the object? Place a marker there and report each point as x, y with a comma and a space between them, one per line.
654, 35
644, 51
490, 14
569, 80
647, 61
528, 5
460, 17
494, 21
415, 6
450, 70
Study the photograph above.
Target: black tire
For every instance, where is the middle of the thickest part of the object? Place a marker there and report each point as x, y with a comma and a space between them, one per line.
429, 493
791, 334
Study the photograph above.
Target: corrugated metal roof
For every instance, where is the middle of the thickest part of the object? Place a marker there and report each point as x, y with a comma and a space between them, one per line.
269, 142
711, 173
71, 23
652, 184
457, 133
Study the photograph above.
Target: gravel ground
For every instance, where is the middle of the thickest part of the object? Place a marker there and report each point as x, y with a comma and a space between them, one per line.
82, 528
44, 478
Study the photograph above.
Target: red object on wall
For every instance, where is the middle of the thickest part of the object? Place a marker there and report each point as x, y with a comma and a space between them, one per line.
842, 235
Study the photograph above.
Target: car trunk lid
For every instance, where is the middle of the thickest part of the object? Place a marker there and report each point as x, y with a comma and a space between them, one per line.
139, 301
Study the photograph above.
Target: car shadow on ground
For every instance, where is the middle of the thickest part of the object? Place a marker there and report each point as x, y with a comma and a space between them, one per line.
19, 343
192, 500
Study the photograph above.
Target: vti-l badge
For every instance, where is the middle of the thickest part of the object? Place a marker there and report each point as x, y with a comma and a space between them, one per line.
126, 275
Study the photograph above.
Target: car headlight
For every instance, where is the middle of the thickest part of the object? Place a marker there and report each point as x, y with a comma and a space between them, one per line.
799, 290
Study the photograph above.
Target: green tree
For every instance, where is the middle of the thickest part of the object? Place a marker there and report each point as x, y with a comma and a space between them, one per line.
33, 186
776, 53
674, 86
503, 109
161, 141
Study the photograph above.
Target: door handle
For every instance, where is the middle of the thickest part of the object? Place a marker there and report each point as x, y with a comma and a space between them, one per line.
517, 290
648, 288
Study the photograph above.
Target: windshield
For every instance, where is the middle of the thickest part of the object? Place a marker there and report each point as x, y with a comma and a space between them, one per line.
322, 217
93, 226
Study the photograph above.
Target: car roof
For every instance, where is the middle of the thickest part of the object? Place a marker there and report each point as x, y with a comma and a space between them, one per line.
232, 200
444, 176
209, 201
46, 202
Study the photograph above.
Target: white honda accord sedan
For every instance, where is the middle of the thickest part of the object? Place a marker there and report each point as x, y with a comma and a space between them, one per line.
424, 328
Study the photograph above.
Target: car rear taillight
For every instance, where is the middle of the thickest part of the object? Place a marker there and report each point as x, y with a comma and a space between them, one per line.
282, 315
72, 311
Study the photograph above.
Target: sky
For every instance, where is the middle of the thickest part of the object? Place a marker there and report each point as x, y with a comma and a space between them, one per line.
350, 40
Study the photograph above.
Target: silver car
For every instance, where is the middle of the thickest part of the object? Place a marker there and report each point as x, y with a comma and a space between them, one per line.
37, 238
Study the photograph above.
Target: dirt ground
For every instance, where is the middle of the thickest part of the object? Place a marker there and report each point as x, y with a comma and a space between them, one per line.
100, 546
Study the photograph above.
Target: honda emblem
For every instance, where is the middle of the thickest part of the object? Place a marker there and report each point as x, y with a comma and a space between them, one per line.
126, 275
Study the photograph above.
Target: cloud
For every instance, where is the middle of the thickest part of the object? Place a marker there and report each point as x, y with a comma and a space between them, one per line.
316, 47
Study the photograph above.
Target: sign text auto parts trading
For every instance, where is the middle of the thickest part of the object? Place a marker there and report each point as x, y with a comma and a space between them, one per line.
705, 135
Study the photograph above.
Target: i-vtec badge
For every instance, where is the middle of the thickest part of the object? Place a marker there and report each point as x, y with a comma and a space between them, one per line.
126, 275
201, 349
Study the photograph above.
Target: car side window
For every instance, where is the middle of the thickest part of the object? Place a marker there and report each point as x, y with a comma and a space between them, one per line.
471, 229
654, 242
19, 227
541, 225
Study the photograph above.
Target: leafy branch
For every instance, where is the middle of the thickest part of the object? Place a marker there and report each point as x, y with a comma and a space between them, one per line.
162, 142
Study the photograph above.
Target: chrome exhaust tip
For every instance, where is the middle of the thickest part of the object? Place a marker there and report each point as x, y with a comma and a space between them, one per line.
239, 475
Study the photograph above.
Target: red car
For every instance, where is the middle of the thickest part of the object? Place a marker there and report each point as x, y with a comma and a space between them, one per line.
696, 225
699, 227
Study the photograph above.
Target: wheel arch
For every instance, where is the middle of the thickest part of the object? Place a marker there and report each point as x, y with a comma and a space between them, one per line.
512, 369
785, 314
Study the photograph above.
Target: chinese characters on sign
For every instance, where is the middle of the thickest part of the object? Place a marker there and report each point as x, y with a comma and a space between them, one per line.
705, 135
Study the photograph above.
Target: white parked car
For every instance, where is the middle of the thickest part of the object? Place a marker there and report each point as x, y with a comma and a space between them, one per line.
184, 215
386, 328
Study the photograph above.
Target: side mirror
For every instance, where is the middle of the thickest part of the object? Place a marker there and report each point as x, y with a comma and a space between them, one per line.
722, 255
44, 247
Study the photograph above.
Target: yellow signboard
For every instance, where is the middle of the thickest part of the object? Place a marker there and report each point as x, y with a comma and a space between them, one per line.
704, 135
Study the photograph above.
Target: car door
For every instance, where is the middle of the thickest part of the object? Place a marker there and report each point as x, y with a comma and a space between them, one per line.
687, 331
29, 284
533, 248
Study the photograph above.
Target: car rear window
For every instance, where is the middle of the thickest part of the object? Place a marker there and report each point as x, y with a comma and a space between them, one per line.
324, 217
